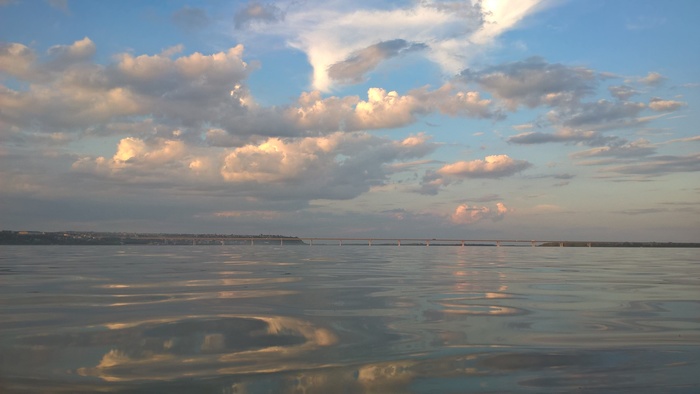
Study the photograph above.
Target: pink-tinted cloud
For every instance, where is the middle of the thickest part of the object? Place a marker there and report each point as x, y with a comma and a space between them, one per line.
465, 214
661, 105
494, 166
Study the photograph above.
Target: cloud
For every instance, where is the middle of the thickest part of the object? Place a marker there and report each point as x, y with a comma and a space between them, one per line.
495, 166
68, 91
659, 165
343, 39
687, 139
62, 56
337, 166
199, 92
352, 69
251, 214
564, 135
16, 60
622, 92
638, 148
156, 161
432, 183
189, 18
661, 105
255, 12
534, 82
641, 211
465, 214
652, 79
598, 115
462, 215
384, 109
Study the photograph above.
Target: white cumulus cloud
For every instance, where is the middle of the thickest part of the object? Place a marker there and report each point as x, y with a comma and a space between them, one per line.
344, 42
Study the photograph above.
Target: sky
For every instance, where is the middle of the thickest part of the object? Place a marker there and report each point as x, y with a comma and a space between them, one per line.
513, 119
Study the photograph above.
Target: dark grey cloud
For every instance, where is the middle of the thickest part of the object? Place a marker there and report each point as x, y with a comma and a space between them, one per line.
641, 211
352, 69
659, 165
62, 56
592, 138
431, 184
256, 12
71, 93
485, 198
619, 149
599, 115
563, 176
534, 82
189, 18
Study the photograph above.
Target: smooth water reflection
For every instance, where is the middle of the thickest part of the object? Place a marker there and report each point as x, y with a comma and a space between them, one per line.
348, 319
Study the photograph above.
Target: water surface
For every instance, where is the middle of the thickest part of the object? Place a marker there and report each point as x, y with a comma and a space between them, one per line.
348, 319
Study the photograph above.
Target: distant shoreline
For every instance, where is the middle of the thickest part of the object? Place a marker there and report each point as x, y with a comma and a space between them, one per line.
11, 237
109, 238
625, 244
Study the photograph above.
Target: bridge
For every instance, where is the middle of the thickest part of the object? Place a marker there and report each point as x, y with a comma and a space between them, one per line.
340, 241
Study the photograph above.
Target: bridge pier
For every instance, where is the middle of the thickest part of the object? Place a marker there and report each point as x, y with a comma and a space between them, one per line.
533, 243
398, 242
340, 242
369, 241
498, 244
462, 243
561, 244
589, 244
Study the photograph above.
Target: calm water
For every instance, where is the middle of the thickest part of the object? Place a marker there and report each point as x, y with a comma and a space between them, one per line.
350, 319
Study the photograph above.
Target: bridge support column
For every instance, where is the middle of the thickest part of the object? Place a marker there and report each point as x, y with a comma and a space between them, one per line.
561, 244
462, 243
281, 242
369, 242
398, 243
340, 242
498, 244
194, 242
589, 244
533, 243
251, 242
427, 243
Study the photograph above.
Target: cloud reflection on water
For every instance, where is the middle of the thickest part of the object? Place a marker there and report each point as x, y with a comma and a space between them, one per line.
349, 319
207, 345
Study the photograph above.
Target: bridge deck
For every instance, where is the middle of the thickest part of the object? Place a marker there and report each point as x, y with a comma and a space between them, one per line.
351, 240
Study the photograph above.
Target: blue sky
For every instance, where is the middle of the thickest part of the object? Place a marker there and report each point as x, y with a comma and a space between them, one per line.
530, 119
